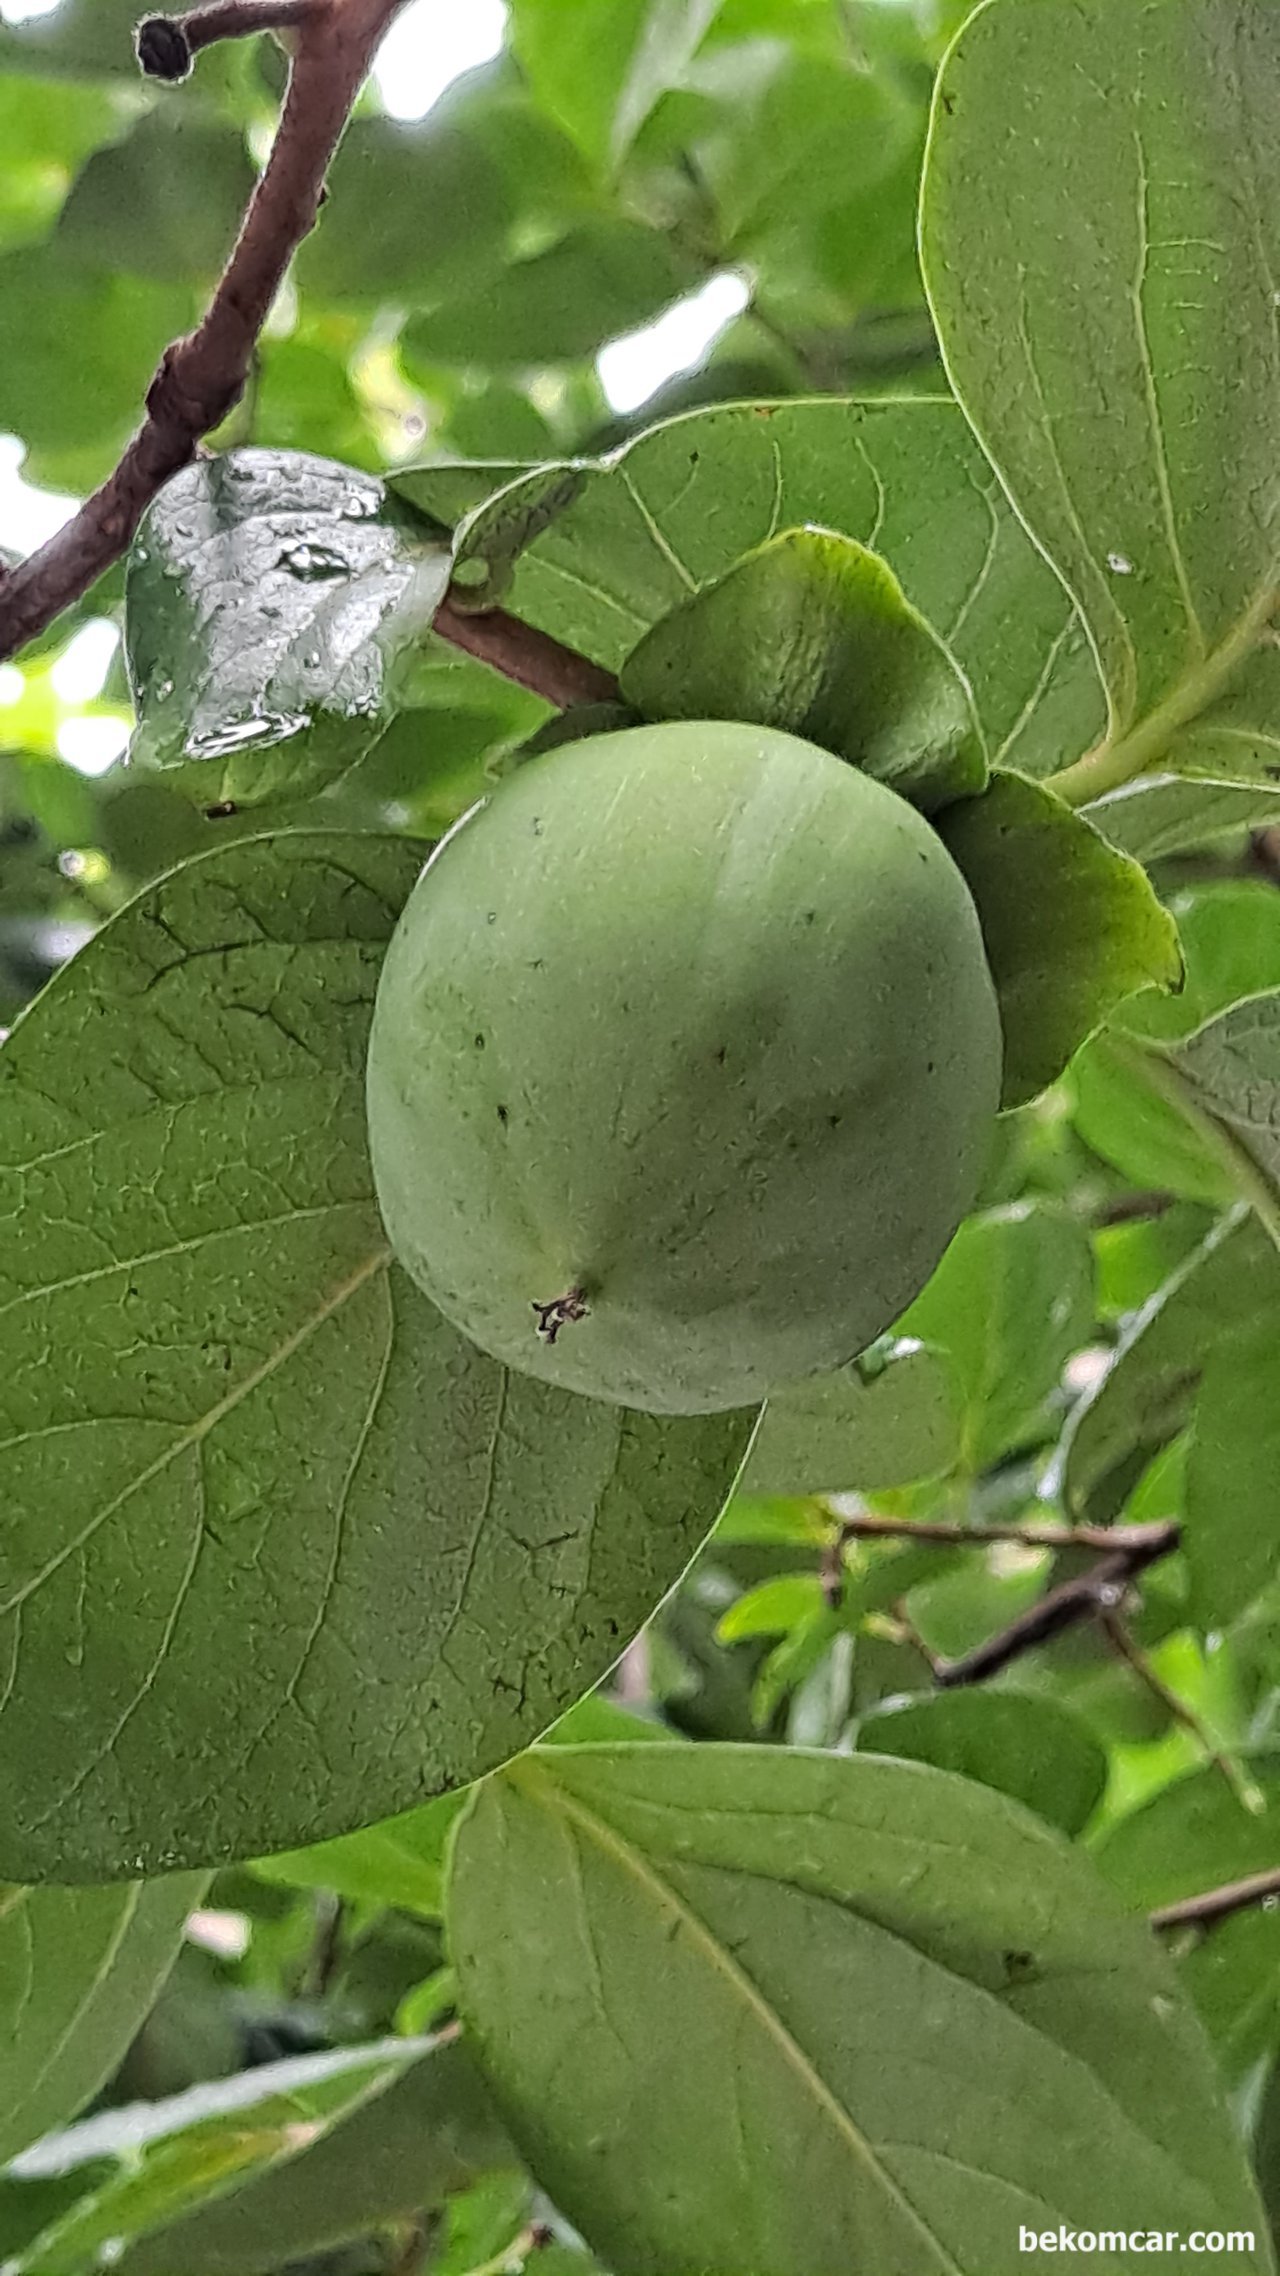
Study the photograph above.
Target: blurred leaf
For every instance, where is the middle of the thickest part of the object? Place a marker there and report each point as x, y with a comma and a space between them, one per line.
268, 594
82, 404
1229, 1075
46, 129
1194, 1835
325, 1513
411, 211
1231, 1530
1225, 1290
604, 277
1113, 384
166, 203
685, 501
857, 1429
601, 72
1030, 1748
813, 634
1010, 1302
79, 1969
281, 2159
84, 38
1071, 926
902, 1974
776, 1606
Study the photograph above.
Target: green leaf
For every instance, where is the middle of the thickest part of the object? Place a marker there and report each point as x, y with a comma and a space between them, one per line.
1226, 1289
603, 277
857, 1429
1032, 1749
1131, 1101
46, 129
281, 2160
1194, 1835
1128, 388
681, 504
166, 203
934, 2019
401, 1861
84, 38
79, 1970
268, 596
311, 1556
411, 212
787, 1601
1167, 814
813, 634
1230, 1531
79, 406
1230, 1072
601, 73
1071, 926
1010, 1302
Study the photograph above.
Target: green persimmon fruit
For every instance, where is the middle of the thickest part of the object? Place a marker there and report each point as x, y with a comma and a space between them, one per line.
684, 1065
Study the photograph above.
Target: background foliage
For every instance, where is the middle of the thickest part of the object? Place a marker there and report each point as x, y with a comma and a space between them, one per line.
1100, 1344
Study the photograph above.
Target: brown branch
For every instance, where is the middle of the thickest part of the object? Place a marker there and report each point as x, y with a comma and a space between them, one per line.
523, 654
201, 377
1213, 1905
1089, 1594
1158, 1538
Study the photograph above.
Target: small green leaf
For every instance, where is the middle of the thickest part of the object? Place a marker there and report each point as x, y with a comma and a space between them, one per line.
1030, 1748
773, 1609
282, 1523
79, 1971
1193, 1835
1009, 1303
1231, 1071
1226, 1289
601, 73
602, 277
928, 2006
1071, 926
1127, 385
812, 633
268, 595
839, 1432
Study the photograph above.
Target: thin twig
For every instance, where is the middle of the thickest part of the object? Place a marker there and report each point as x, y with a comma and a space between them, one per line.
201, 376
1118, 1635
1146, 1542
1213, 1905
1100, 1589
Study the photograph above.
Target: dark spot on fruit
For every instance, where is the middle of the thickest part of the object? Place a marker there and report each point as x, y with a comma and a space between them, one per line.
932, 1066
810, 916
537, 826
502, 1116
722, 1054
221, 811
492, 917
833, 1121
479, 1043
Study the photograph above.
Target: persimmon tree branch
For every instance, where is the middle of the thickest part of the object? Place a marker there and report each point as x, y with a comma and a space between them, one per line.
201, 376
1259, 1890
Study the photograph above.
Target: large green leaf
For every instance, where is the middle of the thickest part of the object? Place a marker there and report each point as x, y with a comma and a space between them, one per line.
268, 596
1030, 1748
1071, 926
1010, 1302
753, 2009
79, 1969
812, 633
639, 532
1127, 384
1225, 1291
310, 1556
